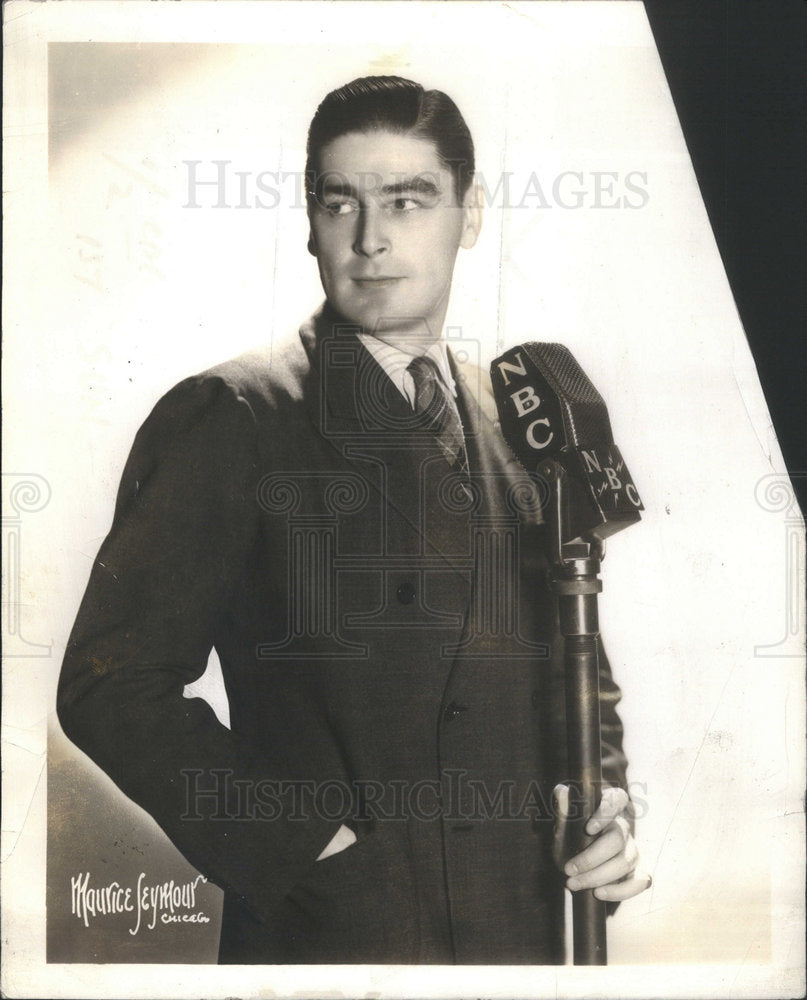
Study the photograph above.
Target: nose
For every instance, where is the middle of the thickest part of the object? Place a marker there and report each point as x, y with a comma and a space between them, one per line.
371, 235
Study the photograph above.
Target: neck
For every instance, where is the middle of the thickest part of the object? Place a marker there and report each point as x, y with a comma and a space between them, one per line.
414, 343
416, 336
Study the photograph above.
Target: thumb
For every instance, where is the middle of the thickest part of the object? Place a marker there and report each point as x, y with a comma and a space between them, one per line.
560, 795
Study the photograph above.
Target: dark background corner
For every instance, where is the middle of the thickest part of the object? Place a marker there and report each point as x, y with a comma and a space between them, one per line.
737, 71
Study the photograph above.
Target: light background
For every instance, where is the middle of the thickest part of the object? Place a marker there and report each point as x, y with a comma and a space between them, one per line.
116, 291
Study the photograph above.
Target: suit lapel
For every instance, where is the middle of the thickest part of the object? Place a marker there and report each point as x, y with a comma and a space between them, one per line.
357, 410
371, 429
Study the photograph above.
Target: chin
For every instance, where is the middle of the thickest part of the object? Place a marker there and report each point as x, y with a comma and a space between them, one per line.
380, 318
352, 312
372, 320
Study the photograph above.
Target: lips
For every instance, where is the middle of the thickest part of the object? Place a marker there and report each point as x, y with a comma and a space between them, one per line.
378, 281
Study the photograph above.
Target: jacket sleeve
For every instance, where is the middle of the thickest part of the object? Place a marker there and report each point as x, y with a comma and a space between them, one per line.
186, 519
614, 761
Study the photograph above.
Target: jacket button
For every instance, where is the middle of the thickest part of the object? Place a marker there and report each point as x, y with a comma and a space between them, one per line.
453, 711
406, 592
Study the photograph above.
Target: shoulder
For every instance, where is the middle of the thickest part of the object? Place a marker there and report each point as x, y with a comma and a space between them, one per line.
269, 376
265, 378
228, 402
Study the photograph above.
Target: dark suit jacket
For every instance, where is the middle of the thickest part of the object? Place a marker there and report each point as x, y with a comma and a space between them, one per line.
390, 655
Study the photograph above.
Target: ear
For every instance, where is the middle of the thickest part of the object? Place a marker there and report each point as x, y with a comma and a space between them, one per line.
312, 244
471, 216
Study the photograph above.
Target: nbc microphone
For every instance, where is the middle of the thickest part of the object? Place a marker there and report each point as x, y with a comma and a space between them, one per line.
549, 409
557, 425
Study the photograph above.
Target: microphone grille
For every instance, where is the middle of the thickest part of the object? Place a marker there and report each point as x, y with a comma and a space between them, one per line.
584, 410
570, 377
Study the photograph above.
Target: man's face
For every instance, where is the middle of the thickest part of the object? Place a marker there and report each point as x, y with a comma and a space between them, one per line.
385, 230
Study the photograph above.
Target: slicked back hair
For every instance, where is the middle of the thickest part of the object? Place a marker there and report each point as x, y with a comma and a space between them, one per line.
394, 104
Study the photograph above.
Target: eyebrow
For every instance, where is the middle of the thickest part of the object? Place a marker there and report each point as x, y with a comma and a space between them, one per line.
418, 184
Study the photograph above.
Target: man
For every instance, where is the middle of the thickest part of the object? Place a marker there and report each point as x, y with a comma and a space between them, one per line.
344, 524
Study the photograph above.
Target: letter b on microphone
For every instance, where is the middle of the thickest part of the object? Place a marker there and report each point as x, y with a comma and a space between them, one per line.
549, 409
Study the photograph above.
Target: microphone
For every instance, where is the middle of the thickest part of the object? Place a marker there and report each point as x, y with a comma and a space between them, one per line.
557, 425
548, 409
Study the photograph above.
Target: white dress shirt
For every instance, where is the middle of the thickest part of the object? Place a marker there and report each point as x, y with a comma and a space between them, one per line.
395, 361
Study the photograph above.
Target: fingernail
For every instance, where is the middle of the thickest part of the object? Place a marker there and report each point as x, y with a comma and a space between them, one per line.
571, 869
573, 884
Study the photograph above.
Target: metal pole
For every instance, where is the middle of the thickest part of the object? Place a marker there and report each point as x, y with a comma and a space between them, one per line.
577, 586
575, 580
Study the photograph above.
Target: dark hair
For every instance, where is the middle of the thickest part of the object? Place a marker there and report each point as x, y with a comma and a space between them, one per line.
397, 105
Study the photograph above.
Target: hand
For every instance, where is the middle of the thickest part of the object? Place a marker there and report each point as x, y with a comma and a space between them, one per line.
608, 865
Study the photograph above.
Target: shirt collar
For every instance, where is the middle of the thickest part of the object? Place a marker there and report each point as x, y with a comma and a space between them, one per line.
394, 362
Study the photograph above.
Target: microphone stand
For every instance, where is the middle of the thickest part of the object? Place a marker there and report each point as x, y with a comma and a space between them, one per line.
574, 579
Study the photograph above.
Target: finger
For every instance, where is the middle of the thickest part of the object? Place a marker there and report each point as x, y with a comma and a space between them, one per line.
616, 868
561, 796
609, 844
626, 889
560, 793
613, 802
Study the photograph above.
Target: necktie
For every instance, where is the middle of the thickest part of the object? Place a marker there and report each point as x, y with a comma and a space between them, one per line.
439, 411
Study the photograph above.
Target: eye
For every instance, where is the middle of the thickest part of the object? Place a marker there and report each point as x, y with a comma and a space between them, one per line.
339, 206
405, 204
